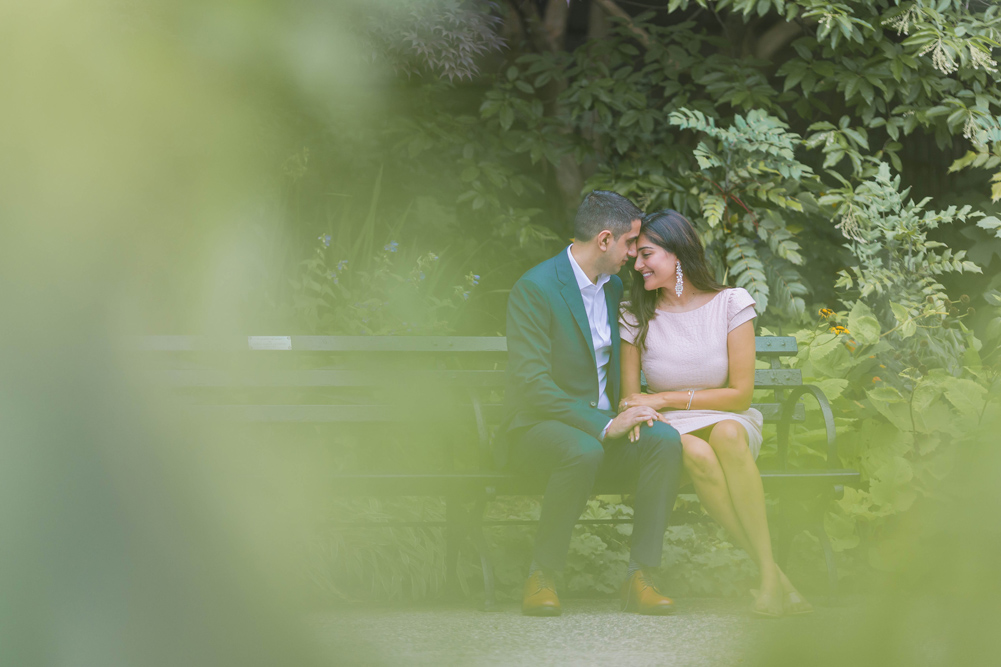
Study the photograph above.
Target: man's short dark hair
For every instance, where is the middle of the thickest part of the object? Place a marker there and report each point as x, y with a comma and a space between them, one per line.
601, 210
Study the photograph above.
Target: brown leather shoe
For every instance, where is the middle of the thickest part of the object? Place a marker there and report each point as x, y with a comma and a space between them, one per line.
640, 595
539, 597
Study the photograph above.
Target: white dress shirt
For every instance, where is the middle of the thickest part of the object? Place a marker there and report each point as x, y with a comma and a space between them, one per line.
596, 308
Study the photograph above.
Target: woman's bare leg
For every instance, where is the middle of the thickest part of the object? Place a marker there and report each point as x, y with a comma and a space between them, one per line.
707, 476
728, 440
706, 473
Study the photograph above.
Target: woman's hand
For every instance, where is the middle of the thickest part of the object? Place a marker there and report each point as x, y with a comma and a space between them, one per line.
639, 400
636, 401
628, 422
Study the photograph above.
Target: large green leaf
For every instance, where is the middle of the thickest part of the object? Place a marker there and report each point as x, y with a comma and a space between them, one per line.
889, 403
832, 387
890, 485
829, 356
863, 325
990, 223
907, 327
841, 530
966, 395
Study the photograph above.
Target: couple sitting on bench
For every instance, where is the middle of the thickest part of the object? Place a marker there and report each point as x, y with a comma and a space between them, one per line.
575, 413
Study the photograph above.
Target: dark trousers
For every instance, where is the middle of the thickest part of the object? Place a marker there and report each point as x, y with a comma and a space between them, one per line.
573, 461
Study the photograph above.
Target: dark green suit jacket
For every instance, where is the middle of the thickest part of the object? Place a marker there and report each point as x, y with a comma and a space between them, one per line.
551, 372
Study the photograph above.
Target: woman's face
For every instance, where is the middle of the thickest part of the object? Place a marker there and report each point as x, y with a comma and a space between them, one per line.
656, 265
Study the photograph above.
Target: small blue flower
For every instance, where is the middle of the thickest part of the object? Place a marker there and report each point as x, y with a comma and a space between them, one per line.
341, 265
433, 257
475, 280
324, 239
465, 295
333, 276
391, 246
421, 277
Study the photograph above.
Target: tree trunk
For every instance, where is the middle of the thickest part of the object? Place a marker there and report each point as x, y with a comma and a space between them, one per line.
597, 23
531, 23
555, 24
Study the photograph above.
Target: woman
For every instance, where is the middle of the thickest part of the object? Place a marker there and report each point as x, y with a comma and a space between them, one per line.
694, 340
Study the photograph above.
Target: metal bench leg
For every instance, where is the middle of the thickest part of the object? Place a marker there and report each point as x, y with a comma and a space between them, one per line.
480, 543
832, 568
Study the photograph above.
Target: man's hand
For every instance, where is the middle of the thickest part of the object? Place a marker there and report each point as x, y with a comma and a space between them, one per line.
639, 400
630, 420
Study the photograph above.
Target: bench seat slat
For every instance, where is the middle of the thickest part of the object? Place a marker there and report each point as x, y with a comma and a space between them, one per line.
313, 414
507, 484
384, 413
770, 412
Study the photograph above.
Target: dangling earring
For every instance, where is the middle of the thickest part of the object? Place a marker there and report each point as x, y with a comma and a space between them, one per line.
679, 286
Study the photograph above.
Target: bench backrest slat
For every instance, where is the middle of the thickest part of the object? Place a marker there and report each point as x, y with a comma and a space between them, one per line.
325, 378
774, 346
763, 379
765, 346
770, 379
324, 343
466, 368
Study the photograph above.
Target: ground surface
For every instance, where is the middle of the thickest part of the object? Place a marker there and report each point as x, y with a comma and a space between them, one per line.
590, 632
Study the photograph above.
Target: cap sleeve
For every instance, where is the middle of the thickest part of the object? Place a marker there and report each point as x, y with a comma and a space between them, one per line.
740, 308
627, 324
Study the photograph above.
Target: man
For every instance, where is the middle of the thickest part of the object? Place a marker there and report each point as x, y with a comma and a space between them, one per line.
563, 381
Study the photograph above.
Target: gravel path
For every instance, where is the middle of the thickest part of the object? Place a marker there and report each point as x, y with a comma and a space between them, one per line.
590, 632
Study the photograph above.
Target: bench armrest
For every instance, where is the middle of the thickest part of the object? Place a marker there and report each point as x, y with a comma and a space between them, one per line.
785, 422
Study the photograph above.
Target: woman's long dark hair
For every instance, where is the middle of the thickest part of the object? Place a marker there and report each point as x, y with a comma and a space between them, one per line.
672, 232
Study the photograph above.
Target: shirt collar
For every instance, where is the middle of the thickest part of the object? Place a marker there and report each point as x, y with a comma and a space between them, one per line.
582, 279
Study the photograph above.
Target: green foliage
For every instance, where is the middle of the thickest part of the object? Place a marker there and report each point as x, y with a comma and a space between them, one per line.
745, 169
910, 383
433, 37
395, 292
899, 268
900, 427
351, 286
783, 162
409, 564
357, 562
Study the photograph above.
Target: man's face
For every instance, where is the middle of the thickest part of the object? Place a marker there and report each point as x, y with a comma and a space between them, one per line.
621, 250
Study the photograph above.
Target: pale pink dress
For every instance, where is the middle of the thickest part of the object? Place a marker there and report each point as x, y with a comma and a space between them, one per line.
688, 351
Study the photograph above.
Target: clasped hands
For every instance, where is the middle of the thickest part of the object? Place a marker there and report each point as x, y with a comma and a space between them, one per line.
633, 411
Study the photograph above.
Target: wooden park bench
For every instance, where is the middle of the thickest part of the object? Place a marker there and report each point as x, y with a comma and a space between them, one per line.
445, 394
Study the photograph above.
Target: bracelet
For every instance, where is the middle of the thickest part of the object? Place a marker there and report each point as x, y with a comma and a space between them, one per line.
691, 395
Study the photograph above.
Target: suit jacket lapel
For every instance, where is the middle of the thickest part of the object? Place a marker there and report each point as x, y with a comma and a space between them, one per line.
571, 294
615, 375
